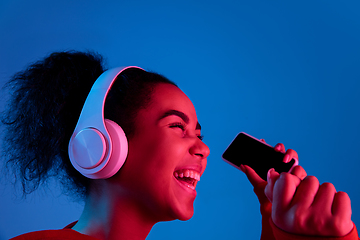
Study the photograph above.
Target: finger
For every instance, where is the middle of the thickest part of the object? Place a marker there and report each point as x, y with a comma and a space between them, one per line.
306, 192
342, 210
341, 205
299, 172
290, 154
283, 191
324, 198
280, 147
252, 175
272, 176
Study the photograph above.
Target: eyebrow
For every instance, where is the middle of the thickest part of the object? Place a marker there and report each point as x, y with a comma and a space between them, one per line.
181, 115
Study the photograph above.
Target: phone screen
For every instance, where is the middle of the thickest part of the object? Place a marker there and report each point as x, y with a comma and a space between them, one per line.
261, 157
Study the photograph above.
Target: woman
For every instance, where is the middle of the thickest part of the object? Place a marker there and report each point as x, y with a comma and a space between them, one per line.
165, 159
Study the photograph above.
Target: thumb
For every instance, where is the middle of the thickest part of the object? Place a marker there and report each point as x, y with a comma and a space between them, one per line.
272, 176
259, 185
253, 177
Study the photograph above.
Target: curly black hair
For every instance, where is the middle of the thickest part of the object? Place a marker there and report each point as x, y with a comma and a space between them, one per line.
44, 105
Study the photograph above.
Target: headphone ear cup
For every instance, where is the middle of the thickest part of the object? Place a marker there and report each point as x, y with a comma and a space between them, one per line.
94, 156
98, 147
119, 150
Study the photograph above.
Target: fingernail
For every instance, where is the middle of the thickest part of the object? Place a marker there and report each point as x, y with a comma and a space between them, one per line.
242, 168
269, 173
286, 159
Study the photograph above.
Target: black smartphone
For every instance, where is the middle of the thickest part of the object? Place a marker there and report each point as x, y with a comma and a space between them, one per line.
261, 157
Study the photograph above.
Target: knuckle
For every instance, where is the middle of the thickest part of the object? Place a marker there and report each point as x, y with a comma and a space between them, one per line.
311, 180
318, 223
328, 187
299, 172
339, 227
300, 219
285, 176
297, 168
343, 195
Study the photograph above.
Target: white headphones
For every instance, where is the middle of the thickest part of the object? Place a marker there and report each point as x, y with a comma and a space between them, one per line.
98, 147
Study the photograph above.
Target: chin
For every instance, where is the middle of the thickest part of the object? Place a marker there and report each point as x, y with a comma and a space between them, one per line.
184, 214
185, 218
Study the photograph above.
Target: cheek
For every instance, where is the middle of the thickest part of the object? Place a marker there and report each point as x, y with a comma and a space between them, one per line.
158, 152
166, 154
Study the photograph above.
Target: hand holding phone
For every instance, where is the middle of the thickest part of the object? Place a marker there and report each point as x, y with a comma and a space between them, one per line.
247, 150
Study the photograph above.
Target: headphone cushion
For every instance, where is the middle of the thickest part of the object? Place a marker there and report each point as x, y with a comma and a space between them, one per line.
94, 156
119, 151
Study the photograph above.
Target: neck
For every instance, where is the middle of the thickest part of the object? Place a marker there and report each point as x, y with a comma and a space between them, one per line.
109, 214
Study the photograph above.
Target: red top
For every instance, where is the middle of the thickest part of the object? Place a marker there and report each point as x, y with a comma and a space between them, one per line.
62, 234
69, 234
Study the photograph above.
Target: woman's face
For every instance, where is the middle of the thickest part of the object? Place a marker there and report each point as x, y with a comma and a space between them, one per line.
166, 156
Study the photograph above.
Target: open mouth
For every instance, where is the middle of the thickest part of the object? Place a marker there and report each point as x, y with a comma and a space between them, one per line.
187, 177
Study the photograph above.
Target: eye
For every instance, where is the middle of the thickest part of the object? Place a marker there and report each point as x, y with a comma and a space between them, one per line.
178, 125
182, 127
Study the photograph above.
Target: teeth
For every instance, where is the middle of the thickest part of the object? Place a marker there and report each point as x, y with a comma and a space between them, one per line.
187, 173
188, 177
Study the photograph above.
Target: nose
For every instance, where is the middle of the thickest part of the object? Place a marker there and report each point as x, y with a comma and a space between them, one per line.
200, 149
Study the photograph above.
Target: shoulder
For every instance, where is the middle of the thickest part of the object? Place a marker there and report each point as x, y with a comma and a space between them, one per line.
63, 234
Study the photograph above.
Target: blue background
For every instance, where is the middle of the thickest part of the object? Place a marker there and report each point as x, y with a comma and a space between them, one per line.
285, 71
